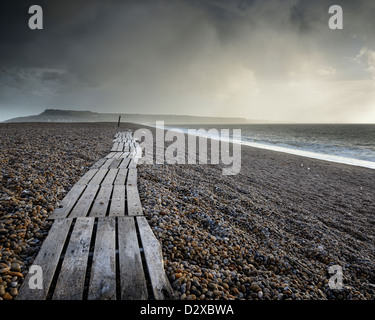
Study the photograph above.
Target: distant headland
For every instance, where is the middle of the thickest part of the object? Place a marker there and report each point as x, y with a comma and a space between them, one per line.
56, 115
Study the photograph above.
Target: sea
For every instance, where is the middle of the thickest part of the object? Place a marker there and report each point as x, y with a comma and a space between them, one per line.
352, 144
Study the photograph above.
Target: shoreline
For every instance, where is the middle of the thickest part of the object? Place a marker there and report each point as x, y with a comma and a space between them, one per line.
297, 152
268, 233
314, 155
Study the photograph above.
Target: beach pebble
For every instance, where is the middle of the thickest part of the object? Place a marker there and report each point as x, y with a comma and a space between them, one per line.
7, 296
15, 267
2, 290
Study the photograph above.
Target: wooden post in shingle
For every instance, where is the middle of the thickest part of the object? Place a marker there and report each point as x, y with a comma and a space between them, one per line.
118, 122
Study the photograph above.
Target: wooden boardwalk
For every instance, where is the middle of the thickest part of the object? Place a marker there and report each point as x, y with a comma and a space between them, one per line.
100, 246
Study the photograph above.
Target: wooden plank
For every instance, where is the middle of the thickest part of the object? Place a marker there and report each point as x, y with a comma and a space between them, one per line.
110, 177
70, 283
121, 176
117, 155
124, 163
68, 202
161, 287
118, 201
115, 146
103, 271
132, 177
125, 155
120, 147
99, 176
47, 259
111, 154
106, 164
132, 277
99, 208
115, 163
133, 200
87, 177
99, 163
83, 205
132, 164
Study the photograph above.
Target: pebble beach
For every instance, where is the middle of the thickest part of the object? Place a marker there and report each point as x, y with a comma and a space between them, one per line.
39, 163
268, 233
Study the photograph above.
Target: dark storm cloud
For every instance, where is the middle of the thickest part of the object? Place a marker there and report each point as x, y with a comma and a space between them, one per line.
184, 56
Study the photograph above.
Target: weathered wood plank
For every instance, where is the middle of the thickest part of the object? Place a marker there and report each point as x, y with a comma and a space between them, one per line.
99, 176
103, 271
120, 147
132, 277
107, 163
124, 163
115, 164
87, 177
68, 202
118, 201
110, 177
99, 163
118, 155
47, 259
84, 203
111, 155
121, 176
133, 200
99, 208
70, 283
115, 146
161, 287
132, 177
132, 164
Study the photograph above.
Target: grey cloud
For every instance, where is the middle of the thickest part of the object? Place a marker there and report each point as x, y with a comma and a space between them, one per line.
159, 56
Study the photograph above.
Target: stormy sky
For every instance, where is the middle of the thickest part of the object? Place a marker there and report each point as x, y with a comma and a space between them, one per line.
274, 60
